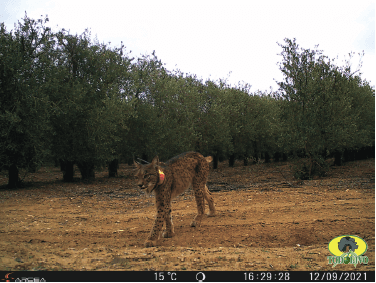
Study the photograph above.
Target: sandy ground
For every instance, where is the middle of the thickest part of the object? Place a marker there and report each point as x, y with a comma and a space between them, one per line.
266, 221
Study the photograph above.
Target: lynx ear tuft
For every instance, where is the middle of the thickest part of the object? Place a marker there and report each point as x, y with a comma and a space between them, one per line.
138, 165
155, 161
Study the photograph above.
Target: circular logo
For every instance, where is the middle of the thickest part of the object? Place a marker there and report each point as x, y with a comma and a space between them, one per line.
339, 245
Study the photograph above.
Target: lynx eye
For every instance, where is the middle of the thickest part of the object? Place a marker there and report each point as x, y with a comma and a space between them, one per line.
147, 176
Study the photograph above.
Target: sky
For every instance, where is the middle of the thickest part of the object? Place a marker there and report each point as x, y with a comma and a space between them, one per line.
233, 40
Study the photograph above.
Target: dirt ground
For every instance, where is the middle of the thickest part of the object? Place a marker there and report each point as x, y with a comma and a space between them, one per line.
266, 221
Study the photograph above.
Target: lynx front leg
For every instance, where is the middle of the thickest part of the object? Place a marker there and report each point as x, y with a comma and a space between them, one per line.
169, 231
157, 227
154, 234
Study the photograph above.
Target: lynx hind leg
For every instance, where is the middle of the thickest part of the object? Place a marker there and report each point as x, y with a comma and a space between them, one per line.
208, 197
199, 196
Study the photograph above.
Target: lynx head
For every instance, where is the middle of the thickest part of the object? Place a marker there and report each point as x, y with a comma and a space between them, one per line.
149, 175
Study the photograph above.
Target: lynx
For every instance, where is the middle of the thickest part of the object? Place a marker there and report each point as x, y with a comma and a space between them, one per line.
167, 180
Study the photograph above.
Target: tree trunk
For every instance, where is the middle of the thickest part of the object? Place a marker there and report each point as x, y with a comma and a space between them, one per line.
68, 171
113, 166
87, 170
215, 161
267, 157
284, 157
231, 160
14, 180
256, 152
245, 161
349, 155
277, 156
338, 158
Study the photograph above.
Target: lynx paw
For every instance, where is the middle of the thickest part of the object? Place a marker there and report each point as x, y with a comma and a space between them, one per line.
211, 213
194, 223
168, 234
197, 221
149, 244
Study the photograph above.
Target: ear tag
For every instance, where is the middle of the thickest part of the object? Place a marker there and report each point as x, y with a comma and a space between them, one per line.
161, 177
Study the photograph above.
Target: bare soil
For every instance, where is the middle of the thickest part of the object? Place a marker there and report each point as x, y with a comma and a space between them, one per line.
266, 221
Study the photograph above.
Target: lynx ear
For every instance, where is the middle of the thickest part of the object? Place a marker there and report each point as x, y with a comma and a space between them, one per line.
209, 159
155, 161
138, 165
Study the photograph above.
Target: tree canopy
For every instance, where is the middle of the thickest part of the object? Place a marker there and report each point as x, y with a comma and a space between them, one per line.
74, 100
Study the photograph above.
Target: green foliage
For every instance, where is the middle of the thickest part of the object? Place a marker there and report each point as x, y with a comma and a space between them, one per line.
24, 98
92, 110
320, 109
212, 124
76, 100
146, 127
305, 168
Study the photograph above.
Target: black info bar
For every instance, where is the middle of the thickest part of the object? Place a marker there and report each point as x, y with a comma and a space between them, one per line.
187, 276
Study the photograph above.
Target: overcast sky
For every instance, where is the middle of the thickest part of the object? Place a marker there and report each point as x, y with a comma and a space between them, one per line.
213, 38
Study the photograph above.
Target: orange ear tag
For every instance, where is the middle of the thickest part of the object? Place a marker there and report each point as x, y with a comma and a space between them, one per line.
161, 177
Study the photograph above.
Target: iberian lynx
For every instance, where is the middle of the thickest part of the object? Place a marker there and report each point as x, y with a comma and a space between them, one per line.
167, 180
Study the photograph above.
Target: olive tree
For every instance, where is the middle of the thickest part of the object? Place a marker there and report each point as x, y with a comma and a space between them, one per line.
25, 78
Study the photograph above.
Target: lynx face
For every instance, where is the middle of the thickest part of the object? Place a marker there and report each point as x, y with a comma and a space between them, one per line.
147, 175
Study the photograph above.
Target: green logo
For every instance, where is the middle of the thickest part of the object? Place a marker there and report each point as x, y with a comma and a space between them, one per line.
347, 249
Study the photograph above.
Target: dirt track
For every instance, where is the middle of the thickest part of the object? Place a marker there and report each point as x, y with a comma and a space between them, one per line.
265, 221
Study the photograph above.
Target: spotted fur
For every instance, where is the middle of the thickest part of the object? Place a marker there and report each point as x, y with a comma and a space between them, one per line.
189, 169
